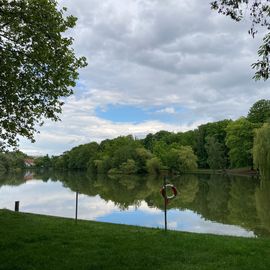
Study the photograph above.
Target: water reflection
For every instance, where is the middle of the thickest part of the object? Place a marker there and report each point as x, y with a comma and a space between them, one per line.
206, 203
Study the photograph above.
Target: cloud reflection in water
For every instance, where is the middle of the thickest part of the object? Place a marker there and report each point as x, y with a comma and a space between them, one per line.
52, 198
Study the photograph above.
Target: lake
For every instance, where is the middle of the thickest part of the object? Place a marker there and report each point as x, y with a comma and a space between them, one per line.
216, 204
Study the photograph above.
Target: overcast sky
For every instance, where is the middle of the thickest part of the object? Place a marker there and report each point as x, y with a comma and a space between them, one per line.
152, 65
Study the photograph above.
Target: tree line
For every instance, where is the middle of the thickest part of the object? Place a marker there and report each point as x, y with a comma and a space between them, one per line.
11, 161
219, 145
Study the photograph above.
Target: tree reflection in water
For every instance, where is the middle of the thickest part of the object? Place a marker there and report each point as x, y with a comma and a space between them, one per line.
234, 200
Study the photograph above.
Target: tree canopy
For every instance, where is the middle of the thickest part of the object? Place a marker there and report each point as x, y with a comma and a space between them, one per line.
217, 145
258, 11
259, 112
216, 154
38, 67
261, 150
239, 140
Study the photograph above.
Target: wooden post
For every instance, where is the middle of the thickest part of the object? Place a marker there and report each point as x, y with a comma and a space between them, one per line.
165, 205
76, 210
17, 206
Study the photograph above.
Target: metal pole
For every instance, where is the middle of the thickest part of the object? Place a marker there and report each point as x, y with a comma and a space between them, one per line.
76, 210
165, 205
17, 206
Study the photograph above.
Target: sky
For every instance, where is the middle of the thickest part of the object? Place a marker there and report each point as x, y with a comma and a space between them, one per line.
152, 65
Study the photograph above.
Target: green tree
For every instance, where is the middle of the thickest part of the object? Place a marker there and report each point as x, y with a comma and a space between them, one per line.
181, 159
261, 150
258, 10
216, 155
153, 166
5, 163
160, 149
148, 141
217, 129
259, 112
11, 161
186, 138
163, 135
43, 162
141, 157
58, 163
200, 135
80, 156
239, 140
187, 159
38, 67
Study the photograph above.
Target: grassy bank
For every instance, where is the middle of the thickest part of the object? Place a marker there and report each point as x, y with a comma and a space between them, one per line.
30, 241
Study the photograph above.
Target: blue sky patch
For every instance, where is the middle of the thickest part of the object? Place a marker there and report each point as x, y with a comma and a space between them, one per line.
122, 113
127, 113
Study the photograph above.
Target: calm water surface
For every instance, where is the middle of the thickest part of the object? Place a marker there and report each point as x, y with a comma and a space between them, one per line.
228, 205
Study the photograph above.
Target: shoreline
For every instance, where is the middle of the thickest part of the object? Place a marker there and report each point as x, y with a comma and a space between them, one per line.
237, 172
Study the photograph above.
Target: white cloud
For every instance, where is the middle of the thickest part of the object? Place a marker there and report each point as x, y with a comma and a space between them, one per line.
149, 53
79, 126
169, 110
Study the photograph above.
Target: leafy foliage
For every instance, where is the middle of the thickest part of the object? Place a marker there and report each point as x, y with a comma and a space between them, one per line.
239, 140
261, 150
153, 166
216, 129
216, 154
10, 161
38, 67
126, 155
217, 145
187, 160
258, 11
259, 112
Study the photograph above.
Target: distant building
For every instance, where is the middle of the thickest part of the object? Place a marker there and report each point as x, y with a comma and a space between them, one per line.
29, 162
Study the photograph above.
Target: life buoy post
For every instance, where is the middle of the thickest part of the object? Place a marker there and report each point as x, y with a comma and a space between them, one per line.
167, 198
163, 191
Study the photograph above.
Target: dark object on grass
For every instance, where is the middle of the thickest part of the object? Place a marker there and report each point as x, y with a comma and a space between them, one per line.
17, 206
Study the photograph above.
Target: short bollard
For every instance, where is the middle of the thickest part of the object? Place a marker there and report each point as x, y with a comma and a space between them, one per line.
17, 206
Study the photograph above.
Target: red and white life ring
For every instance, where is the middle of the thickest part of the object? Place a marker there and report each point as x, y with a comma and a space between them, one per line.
164, 193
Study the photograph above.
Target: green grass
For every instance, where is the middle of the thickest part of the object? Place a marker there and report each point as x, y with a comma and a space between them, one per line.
30, 241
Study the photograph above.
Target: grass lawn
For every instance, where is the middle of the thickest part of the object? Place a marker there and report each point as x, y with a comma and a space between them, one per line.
30, 241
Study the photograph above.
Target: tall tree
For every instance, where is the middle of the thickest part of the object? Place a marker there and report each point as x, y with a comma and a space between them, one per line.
217, 129
239, 140
200, 151
259, 111
216, 154
261, 151
180, 159
258, 10
38, 67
